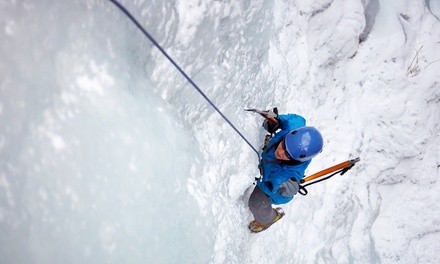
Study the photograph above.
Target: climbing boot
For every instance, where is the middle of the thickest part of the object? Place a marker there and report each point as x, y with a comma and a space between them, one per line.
256, 227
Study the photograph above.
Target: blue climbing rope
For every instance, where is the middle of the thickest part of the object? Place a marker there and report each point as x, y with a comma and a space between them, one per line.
155, 43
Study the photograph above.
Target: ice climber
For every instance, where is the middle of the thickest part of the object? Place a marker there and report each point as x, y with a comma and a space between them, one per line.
286, 153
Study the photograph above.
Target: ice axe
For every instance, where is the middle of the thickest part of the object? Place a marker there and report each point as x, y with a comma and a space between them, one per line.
341, 168
269, 115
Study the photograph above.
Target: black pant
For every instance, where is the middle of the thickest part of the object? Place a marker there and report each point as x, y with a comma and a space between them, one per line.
261, 207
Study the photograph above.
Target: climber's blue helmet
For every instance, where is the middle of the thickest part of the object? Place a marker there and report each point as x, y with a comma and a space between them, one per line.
303, 143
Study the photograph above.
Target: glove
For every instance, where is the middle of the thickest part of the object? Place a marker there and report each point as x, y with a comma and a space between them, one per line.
289, 188
270, 127
271, 124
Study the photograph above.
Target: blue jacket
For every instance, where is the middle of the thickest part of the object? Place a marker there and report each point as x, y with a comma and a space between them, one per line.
274, 172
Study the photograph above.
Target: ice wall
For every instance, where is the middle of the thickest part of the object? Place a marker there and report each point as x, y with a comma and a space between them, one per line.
94, 165
104, 143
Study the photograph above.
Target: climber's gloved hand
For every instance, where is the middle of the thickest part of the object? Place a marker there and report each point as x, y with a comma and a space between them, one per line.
271, 122
289, 188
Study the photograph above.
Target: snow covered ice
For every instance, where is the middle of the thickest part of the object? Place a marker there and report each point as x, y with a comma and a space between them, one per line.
108, 155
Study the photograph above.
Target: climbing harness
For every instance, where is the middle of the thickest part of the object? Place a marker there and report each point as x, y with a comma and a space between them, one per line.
155, 43
341, 168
